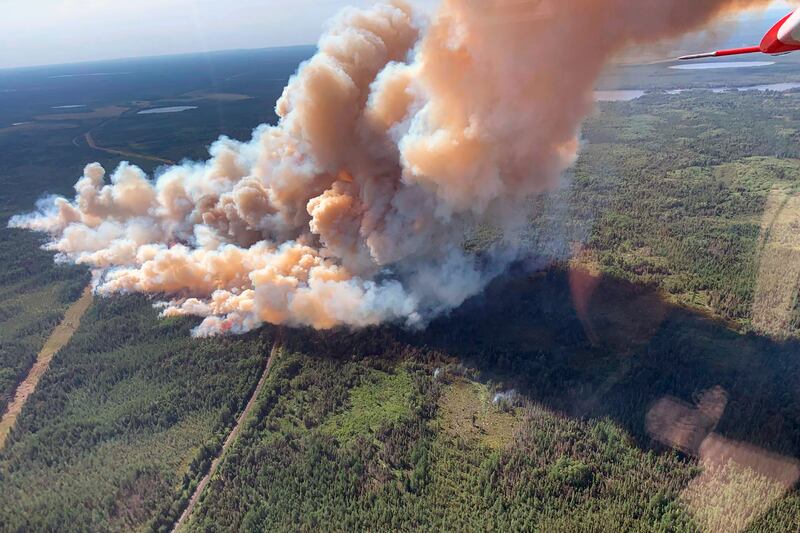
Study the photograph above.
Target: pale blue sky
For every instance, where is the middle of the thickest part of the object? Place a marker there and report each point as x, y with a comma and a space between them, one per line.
34, 32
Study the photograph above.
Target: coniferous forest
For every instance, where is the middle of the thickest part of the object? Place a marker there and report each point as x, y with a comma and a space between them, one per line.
636, 370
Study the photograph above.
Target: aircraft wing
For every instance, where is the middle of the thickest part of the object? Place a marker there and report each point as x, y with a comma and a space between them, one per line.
723, 53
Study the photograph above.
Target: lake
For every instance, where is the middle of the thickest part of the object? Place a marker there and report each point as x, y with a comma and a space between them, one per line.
61, 76
618, 96
632, 94
162, 110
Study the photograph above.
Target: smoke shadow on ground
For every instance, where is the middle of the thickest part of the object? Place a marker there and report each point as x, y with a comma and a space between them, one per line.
614, 349
595, 347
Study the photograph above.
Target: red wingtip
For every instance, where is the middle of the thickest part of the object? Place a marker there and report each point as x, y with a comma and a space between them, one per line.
722, 53
738, 51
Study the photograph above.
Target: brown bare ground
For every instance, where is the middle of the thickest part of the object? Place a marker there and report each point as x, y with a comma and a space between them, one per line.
779, 269
196, 96
467, 412
32, 126
60, 336
110, 111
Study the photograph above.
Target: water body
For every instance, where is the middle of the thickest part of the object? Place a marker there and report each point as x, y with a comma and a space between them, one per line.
89, 74
633, 94
618, 96
777, 87
162, 110
723, 64
67, 106
20, 123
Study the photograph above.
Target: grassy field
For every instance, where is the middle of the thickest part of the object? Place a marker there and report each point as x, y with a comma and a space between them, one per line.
470, 412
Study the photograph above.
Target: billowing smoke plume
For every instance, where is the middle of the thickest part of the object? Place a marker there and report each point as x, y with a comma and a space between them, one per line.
393, 139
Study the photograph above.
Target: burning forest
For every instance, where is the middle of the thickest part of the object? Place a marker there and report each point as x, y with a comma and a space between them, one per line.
395, 138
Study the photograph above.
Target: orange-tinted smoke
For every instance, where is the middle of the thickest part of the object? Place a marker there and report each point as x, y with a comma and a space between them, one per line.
393, 139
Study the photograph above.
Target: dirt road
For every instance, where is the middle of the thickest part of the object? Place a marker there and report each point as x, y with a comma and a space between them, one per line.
92, 144
228, 441
60, 336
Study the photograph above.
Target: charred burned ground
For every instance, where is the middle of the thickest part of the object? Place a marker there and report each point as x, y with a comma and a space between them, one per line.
611, 382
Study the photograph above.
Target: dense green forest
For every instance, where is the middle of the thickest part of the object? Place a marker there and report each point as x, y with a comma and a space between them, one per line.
526, 409
671, 191
33, 296
34, 292
391, 431
669, 194
126, 416
339, 444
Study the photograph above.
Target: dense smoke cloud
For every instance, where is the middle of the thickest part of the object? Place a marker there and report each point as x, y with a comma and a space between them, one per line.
396, 137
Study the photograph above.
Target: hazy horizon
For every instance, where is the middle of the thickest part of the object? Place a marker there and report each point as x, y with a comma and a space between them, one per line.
72, 31
75, 31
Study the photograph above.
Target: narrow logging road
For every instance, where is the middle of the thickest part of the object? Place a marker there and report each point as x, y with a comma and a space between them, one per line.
228, 441
93, 145
57, 340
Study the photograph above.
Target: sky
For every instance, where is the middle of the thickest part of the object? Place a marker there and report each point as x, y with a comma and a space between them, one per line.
45, 32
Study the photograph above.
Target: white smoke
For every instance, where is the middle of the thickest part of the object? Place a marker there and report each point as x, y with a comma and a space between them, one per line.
392, 141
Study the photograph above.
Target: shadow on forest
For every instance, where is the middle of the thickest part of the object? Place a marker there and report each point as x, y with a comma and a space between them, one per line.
596, 347
602, 347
